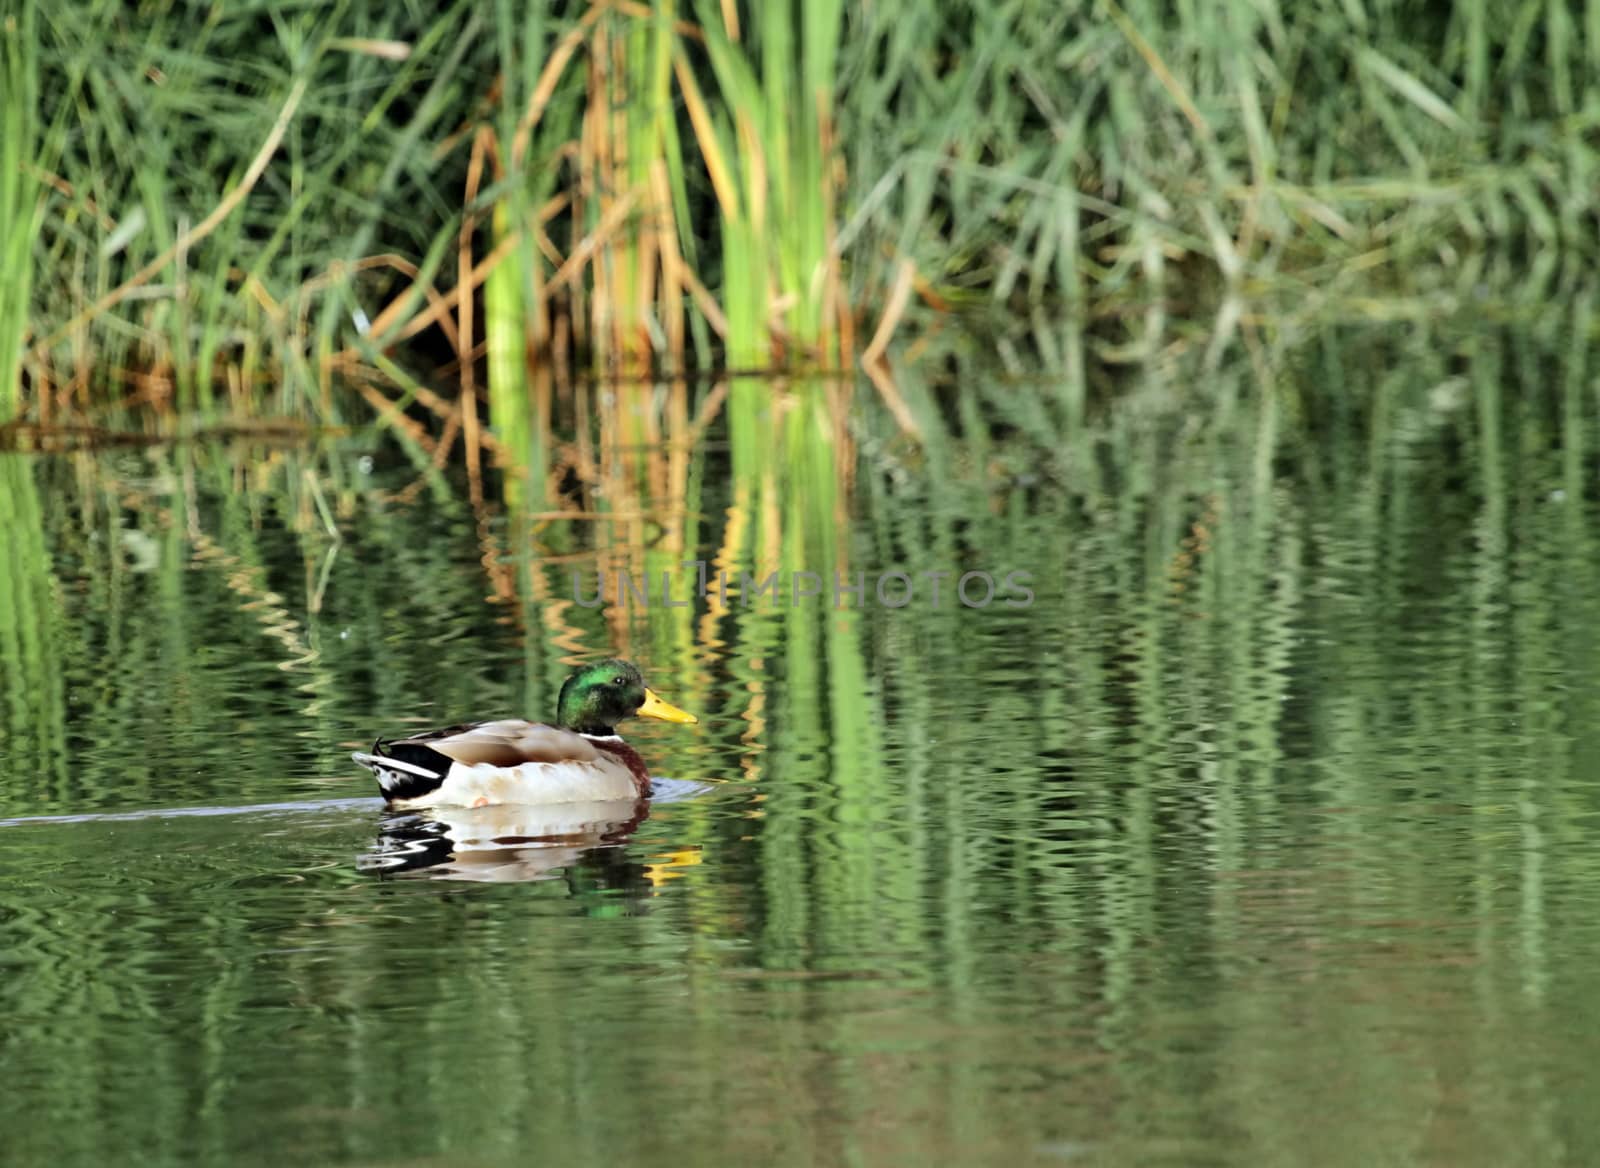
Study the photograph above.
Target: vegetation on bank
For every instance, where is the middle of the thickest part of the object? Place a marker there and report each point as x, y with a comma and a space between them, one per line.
235, 210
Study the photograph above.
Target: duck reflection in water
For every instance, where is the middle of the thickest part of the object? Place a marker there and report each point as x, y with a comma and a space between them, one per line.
509, 843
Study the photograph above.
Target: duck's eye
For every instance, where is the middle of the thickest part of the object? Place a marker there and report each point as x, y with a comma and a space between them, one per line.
619, 681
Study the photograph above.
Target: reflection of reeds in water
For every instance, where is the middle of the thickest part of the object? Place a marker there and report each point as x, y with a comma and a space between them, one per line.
31, 683
1261, 701
267, 606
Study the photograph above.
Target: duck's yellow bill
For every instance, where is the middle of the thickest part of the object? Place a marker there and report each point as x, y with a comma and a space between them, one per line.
654, 707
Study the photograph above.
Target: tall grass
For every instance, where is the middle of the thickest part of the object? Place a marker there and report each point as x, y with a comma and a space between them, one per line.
254, 206
1113, 151
19, 88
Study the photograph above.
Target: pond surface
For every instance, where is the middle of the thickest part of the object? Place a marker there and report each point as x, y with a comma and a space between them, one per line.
1266, 833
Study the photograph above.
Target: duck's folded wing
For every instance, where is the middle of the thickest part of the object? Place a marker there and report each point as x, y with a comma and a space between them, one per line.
506, 743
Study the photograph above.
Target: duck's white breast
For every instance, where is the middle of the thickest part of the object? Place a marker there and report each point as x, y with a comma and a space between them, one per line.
480, 784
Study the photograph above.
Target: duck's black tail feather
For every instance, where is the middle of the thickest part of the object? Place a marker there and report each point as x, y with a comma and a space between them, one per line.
404, 770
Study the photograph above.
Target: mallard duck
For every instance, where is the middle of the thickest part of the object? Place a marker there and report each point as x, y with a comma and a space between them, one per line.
579, 758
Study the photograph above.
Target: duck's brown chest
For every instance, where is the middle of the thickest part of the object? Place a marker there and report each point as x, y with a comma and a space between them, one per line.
629, 757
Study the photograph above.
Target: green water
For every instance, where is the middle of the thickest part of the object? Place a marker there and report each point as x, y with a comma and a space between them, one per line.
1267, 834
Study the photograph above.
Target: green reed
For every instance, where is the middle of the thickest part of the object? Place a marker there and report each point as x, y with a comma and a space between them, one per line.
773, 151
19, 195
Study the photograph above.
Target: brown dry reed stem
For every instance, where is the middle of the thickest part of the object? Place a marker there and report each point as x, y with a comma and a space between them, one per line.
481, 143
545, 89
899, 297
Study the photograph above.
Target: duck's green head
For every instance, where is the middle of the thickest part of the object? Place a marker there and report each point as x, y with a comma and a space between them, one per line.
597, 697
